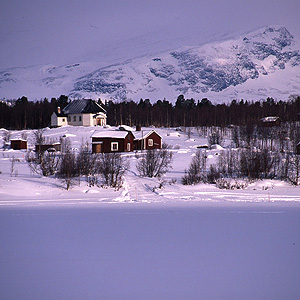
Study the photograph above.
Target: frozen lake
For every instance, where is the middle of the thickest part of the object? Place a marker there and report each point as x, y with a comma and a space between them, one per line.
151, 251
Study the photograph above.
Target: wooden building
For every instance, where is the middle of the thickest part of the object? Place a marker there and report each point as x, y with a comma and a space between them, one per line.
112, 141
270, 121
147, 140
48, 147
18, 144
84, 112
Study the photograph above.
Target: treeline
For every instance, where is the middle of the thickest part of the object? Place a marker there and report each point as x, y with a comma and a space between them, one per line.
22, 114
189, 113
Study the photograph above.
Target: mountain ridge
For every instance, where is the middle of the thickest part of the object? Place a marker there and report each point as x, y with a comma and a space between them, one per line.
262, 63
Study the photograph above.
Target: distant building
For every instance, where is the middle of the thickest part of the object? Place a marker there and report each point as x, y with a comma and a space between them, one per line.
270, 121
48, 147
18, 144
84, 112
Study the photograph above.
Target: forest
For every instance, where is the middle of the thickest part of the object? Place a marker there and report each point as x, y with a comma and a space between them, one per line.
24, 114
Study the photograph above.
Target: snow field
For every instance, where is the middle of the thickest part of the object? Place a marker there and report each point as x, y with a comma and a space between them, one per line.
25, 189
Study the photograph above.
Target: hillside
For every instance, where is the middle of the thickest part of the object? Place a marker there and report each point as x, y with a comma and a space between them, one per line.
253, 66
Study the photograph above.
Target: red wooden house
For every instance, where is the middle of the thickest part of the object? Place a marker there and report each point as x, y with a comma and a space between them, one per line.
112, 141
147, 140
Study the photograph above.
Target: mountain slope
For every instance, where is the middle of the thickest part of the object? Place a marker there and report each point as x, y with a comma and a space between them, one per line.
260, 64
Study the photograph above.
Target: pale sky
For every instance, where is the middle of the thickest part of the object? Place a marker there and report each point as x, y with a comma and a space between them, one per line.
60, 32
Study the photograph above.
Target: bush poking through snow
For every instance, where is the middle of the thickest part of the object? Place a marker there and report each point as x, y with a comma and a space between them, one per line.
67, 168
215, 138
112, 167
155, 163
195, 173
231, 184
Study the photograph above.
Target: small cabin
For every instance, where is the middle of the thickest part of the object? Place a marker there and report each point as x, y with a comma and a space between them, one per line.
147, 140
270, 121
48, 147
18, 144
112, 141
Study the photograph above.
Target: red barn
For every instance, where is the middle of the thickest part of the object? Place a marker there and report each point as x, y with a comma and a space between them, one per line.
112, 141
147, 140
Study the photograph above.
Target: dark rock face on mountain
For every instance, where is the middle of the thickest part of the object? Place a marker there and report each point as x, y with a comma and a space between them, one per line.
198, 70
262, 63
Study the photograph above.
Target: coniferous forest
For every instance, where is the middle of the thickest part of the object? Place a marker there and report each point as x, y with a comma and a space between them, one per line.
23, 114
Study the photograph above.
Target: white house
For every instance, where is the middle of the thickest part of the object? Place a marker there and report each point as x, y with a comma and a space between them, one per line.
58, 118
85, 112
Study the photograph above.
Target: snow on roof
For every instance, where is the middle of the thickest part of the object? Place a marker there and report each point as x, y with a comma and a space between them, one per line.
216, 147
143, 134
125, 127
110, 134
269, 119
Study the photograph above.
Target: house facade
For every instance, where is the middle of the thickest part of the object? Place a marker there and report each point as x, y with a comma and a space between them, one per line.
58, 118
48, 147
112, 141
18, 144
84, 112
147, 140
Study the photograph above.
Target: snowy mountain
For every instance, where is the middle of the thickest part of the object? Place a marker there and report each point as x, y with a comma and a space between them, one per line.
254, 66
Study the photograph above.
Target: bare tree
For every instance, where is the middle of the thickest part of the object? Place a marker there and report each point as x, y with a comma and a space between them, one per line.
12, 166
85, 160
156, 162
196, 170
67, 168
39, 140
236, 138
215, 138
112, 167
293, 168
43, 163
6, 138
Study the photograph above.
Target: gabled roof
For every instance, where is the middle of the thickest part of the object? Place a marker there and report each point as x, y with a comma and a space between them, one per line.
83, 106
60, 115
139, 135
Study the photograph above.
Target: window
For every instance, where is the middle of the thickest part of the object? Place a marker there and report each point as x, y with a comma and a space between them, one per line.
150, 142
74, 119
63, 120
79, 118
69, 119
114, 146
128, 147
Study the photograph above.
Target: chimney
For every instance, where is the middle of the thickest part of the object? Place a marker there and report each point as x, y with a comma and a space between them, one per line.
138, 128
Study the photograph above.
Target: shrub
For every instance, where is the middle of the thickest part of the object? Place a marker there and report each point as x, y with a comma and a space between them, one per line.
195, 173
112, 167
155, 163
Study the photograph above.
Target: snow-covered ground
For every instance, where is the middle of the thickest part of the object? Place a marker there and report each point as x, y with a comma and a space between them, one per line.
25, 189
142, 242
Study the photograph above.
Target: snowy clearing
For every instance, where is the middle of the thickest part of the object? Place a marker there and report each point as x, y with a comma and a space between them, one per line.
20, 188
